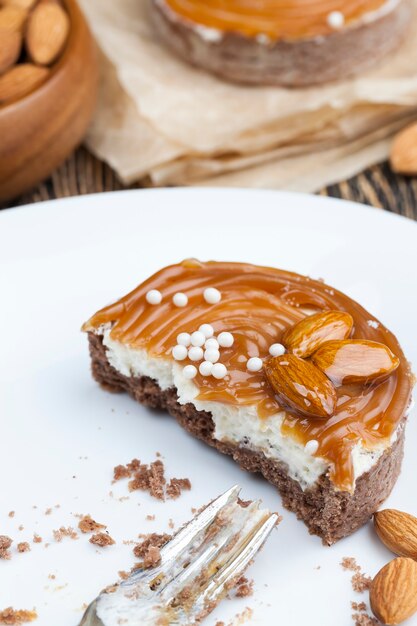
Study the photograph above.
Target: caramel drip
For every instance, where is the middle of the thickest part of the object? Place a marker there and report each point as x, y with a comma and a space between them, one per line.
278, 19
258, 304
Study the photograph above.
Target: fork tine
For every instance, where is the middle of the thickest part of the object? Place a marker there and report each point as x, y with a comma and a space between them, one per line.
235, 566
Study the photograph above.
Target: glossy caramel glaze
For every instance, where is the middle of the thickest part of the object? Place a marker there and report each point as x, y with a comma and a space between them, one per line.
258, 305
278, 19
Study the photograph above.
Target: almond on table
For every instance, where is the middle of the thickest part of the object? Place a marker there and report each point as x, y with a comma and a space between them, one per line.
398, 531
403, 156
393, 594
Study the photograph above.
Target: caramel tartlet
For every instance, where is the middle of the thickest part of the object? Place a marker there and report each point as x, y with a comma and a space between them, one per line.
289, 376
280, 42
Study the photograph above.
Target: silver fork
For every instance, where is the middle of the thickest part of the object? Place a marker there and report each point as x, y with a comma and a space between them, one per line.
198, 567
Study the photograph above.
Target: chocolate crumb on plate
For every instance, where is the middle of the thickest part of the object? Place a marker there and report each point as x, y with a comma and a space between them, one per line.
363, 619
23, 546
177, 486
349, 563
5, 543
64, 532
243, 587
360, 582
12, 616
102, 540
148, 549
88, 525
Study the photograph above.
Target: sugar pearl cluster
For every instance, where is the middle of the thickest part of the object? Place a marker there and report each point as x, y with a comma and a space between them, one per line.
201, 346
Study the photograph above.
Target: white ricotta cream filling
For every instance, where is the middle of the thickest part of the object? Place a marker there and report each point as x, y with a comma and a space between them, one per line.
239, 425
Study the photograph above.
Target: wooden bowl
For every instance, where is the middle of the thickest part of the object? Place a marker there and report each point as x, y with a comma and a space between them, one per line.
40, 130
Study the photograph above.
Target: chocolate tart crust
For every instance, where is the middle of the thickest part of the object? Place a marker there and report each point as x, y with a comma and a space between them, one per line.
288, 63
328, 513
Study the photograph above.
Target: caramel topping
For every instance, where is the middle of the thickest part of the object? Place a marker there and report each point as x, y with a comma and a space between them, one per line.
278, 19
258, 305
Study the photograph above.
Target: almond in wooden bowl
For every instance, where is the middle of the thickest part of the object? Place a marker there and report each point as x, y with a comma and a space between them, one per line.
47, 99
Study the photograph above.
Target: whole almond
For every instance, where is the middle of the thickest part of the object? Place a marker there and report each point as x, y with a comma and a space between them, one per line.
403, 156
355, 361
12, 18
393, 593
21, 80
300, 386
309, 334
47, 32
10, 46
398, 531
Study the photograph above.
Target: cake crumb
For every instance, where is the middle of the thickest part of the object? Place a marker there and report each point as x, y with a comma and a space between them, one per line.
48, 511
149, 549
12, 616
360, 582
23, 546
102, 540
5, 543
171, 524
150, 478
21, 527
358, 606
177, 486
11, 513
88, 525
244, 587
363, 619
51, 576
123, 575
64, 532
150, 518
37, 538
349, 563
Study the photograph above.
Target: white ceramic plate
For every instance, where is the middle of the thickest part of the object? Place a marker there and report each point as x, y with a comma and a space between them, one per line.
61, 434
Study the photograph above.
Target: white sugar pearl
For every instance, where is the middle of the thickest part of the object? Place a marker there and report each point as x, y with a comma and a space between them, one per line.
335, 19
225, 340
179, 353
184, 339
311, 446
212, 343
195, 353
212, 355
197, 338
277, 349
212, 295
205, 368
154, 296
189, 371
219, 371
180, 299
207, 330
254, 364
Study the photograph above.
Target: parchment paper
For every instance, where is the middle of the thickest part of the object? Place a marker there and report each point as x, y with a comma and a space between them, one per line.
162, 119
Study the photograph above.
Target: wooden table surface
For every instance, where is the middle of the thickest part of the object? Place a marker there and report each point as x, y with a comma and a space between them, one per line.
82, 173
